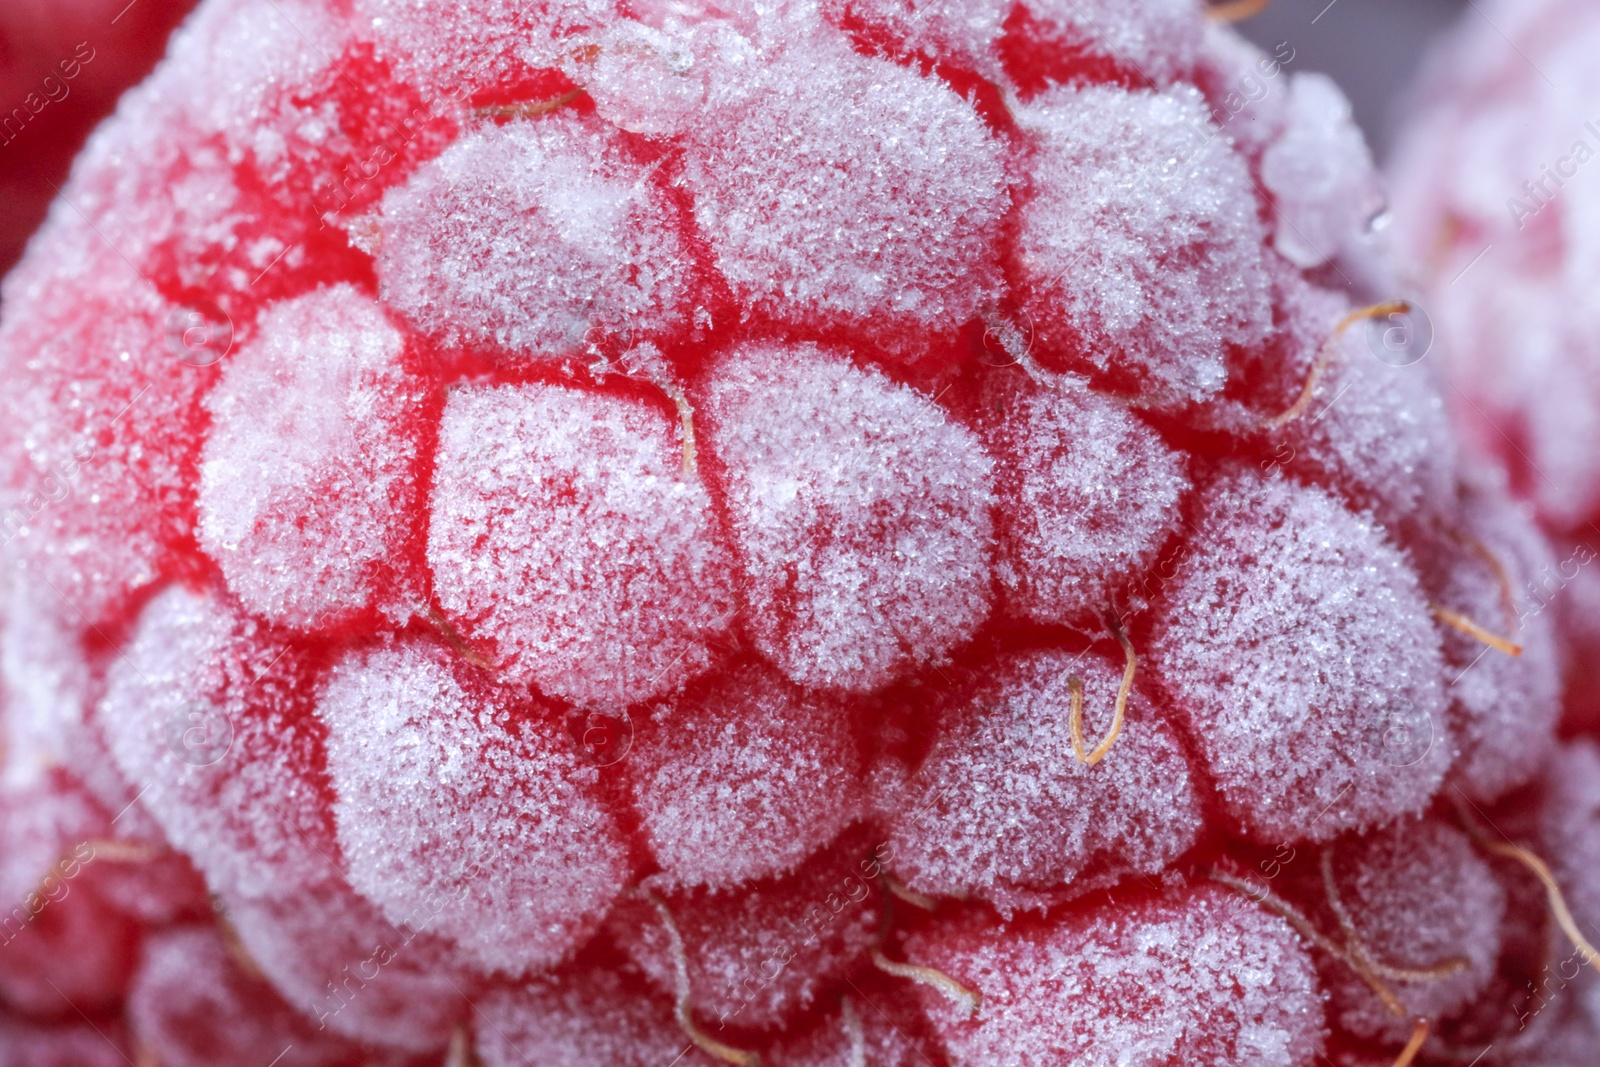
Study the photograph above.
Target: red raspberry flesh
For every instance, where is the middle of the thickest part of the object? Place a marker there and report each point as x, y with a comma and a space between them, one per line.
1499, 222
859, 533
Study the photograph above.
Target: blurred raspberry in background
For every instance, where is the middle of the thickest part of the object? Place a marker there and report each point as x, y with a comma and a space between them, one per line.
63, 63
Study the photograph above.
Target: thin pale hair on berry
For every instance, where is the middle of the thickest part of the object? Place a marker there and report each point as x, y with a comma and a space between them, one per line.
1236, 10
1326, 354
1458, 621
958, 994
1119, 708
683, 1007
1354, 953
1555, 899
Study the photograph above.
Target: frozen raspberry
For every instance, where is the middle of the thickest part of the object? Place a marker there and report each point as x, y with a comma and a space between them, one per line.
193, 1004
744, 778
1046, 818
563, 536
818, 533
465, 803
1297, 638
1234, 986
1499, 224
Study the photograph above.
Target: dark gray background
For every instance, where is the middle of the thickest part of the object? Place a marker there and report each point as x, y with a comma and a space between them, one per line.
1370, 47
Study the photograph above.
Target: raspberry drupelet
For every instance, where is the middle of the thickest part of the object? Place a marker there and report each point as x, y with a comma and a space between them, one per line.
818, 534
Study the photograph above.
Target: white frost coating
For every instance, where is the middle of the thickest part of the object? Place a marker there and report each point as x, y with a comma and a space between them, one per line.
838, 189
45, 680
1320, 175
244, 52
529, 236
860, 512
234, 69
457, 794
655, 80
967, 30
1157, 39
743, 779
1378, 433
1420, 896
1002, 804
465, 46
333, 957
592, 1016
1140, 250
1504, 709
190, 1004
761, 955
1208, 978
1497, 208
308, 476
1300, 647
564, 532
1087, 494
208, 714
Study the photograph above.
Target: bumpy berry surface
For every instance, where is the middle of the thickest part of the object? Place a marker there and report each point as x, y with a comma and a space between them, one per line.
1498, 217
835, 534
